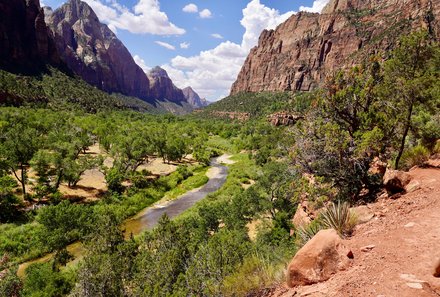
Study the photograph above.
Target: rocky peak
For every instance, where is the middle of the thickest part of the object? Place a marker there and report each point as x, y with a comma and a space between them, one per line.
308, 47
162, 87
193, 98
94, 52
158, 72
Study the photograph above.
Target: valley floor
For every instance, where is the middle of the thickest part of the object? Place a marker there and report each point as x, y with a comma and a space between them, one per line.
405, 233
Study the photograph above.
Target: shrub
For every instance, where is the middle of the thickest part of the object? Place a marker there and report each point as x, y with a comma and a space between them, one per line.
415, 156
306, 233
339, 217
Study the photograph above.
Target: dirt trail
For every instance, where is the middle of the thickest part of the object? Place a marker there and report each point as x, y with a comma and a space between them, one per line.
406, 236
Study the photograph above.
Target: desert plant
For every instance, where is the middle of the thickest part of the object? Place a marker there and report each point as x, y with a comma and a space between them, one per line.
339, 217
415, 156
304, 234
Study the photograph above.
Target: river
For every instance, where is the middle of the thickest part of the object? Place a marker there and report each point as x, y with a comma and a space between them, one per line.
149, 217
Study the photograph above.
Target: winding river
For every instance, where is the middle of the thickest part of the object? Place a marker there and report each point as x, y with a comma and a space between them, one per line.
149, 217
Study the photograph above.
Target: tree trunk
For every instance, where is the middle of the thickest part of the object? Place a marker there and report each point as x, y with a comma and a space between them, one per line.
405, 134
60, 176
23, 181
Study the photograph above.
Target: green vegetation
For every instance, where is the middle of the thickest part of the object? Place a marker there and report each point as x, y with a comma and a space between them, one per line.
380, 110
339, 217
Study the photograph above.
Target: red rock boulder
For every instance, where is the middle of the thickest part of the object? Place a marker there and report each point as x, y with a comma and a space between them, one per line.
395, 181
323, 256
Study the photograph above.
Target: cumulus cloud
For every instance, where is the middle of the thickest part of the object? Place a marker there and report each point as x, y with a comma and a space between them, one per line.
216, 35
205, 14
141, 63
165, 45
191, 8
185, 45
212, 72
144, 18
317, 6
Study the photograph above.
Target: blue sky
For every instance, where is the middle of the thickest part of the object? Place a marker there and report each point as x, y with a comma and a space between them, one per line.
201, 43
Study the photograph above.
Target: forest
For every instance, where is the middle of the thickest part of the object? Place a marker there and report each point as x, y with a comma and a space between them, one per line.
237, 240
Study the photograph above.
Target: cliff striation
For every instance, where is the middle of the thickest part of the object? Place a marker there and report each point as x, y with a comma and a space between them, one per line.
301, 52
25, 45
93, 52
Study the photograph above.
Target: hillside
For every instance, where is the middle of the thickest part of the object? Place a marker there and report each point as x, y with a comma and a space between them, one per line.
403, 236
304, 50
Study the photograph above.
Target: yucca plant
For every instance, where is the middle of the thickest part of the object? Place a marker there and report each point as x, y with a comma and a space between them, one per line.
304, 234
339, 217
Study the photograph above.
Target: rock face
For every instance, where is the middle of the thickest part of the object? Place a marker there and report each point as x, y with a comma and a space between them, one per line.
162, 86
25, 44
323, 256
396, 181
284, 119
193, 98
302, 51
92, 51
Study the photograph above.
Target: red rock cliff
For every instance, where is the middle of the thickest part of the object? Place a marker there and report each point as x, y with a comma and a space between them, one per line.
302, 51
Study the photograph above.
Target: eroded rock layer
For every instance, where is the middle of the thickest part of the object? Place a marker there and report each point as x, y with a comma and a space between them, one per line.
302, 51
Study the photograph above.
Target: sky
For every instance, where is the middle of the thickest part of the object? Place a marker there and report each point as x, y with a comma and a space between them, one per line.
200, 43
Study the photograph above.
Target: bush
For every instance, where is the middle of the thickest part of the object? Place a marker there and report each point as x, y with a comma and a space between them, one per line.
339, 217
254, 274
415, 156
304, 234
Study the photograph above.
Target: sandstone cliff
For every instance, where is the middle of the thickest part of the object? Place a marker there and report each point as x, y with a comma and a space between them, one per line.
162, 87
93, 51
193, 98
25, 45
302, 51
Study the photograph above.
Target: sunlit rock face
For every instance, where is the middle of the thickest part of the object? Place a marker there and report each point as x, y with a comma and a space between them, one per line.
300, 53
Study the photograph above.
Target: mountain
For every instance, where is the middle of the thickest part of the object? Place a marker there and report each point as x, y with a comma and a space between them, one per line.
93, 52
193, 98
301, 52
25, 45
162, 86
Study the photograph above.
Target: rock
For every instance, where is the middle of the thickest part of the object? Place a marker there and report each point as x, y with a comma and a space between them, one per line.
162, 86
25, 43
321, 257
363, 214
413, 185
395, 181
415, 285
284, 119
410, 225
93, 52
301, 218
368, 248
377, 167
301, 52
193, 98
437, 269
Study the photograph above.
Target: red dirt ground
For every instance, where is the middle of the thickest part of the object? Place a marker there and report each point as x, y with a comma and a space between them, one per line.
406, 235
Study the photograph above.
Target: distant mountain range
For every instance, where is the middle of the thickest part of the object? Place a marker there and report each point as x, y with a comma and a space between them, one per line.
72, 38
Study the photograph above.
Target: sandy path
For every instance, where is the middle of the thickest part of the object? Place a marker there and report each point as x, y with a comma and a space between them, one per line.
406, 236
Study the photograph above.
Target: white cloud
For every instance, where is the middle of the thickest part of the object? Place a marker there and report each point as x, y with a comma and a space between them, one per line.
185, 45
141, 63
191, 8
205, 14
165, 45
216, 35
212, 72
317, 6
144, 18
42, 3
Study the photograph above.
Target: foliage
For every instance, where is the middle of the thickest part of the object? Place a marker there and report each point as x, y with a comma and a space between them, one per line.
339, 217
415, 156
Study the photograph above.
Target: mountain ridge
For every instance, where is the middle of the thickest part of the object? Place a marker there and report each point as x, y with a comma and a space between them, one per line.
301, 52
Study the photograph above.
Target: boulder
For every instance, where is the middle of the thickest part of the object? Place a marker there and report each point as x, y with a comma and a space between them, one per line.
395, 181
301, 218
363, 214
323, 256
437, 269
